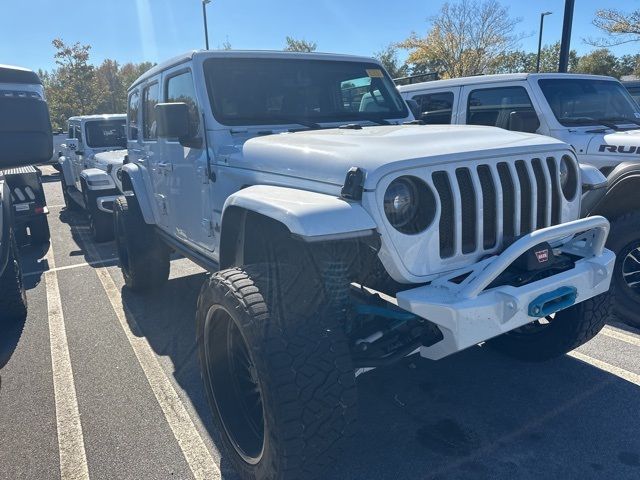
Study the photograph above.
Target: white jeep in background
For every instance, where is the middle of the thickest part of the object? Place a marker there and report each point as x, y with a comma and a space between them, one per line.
91, 166
341, 240
596, 115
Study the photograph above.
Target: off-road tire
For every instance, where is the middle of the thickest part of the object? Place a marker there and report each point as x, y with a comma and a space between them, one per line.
143, 257
69, 203
302, 363
623, 238
101, 225
39, 230
13, 297
569, 329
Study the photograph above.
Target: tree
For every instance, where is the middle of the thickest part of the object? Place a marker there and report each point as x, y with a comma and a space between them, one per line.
388, 57
516, 61
72, 86
464, 38
599, 62
619, 27
295, 45
629, 64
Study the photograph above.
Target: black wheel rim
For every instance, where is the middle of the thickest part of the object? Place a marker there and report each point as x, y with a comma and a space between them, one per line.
233, 380
630, 270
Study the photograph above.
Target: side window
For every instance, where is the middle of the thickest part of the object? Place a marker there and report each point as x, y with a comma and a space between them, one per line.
132, 115
71, 131
436, 108
179, 88
149, 102
504, 107
78, 133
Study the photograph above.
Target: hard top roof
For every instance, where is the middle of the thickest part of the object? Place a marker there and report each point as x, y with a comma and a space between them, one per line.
106, 116
185, 57
11, 74
501, 77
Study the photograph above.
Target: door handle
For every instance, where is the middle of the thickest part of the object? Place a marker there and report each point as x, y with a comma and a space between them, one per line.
165, 166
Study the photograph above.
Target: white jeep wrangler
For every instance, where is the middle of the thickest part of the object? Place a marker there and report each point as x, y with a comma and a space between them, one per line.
341, 240
91, 160
596, 115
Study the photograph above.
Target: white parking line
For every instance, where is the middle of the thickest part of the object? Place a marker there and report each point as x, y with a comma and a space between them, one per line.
618, 335
607, 367
193, 447
69, 267
73, 458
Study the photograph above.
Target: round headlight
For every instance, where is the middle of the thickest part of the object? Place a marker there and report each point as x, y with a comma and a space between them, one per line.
568, 178
409, 205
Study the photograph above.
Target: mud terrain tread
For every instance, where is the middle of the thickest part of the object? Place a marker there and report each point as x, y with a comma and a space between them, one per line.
624, 229
305, 370
148, 258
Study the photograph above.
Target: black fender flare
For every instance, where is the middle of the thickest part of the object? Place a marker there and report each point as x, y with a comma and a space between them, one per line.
621, 196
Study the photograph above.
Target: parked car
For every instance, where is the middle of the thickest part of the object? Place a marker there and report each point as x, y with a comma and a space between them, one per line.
341, 240
594, 114
25, 138
91, 169
633, 86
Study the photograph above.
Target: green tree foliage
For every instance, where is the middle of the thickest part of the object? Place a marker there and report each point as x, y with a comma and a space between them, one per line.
464, 38
517, 61
76, 87
296, 45
599, 62
388, 57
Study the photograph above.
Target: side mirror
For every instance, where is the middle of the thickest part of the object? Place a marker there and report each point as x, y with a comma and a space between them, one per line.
173, 122
415, 109
25, 131
524, 121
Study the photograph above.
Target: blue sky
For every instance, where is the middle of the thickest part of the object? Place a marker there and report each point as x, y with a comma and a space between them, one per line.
154, 30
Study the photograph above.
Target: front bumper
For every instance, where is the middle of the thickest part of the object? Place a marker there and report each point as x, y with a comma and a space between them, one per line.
469, 312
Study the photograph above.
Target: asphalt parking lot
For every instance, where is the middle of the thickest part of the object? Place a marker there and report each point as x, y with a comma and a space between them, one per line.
101, 383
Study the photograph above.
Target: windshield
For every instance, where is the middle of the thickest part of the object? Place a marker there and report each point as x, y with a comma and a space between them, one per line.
271, 91
588, 101
106, 134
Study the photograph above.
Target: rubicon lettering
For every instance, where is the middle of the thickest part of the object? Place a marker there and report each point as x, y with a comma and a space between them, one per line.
619, 149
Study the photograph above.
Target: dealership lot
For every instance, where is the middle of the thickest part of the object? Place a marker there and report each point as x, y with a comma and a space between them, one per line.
102, 383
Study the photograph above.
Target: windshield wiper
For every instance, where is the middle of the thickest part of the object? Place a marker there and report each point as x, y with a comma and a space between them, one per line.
588, 121
620, 120
378, 121
300, 121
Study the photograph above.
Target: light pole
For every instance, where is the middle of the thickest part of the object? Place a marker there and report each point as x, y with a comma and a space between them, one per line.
542, 15
204, 17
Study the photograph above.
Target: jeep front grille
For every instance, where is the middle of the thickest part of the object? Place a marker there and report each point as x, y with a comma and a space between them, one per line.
489, 203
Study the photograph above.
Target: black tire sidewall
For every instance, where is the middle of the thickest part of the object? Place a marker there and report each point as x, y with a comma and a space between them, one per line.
624, 236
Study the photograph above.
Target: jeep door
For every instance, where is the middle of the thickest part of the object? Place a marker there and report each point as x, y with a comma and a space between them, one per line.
78, 158
188, 178
505, 105
148, 152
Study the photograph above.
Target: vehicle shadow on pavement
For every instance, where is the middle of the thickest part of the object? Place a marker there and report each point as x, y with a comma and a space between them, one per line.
475, 415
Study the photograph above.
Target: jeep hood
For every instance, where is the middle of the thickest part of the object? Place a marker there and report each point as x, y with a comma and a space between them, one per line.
624, 144
327, 155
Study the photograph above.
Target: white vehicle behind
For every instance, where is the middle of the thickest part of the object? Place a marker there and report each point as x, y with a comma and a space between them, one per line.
91, 166
596, 115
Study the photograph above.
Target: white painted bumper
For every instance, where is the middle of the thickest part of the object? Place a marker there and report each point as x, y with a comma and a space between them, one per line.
468, 313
